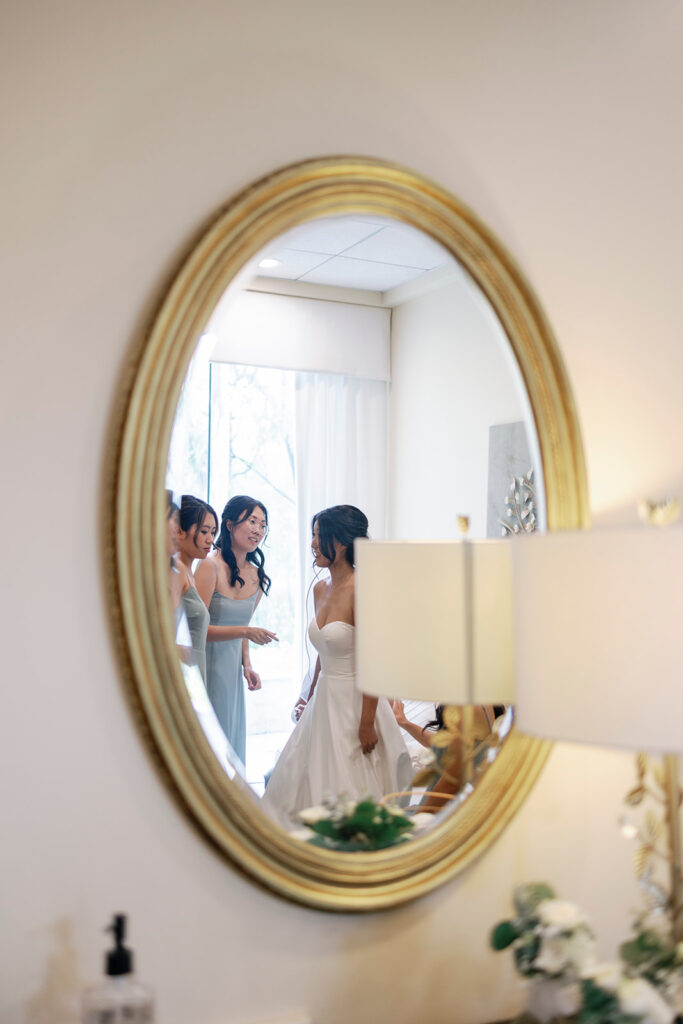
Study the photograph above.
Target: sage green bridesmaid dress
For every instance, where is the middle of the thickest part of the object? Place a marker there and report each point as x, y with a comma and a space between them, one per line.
224, 680
198, 621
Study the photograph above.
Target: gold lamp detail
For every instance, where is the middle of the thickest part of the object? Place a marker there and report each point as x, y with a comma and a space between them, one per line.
599, 653
580, 630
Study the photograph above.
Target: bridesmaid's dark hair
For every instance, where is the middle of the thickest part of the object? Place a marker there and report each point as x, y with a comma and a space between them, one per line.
437, 722
193, 512
343, 523
171, 506
237, 509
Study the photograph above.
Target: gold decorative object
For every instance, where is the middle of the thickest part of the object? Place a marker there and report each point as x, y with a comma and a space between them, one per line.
659, 838
659, 513
463, 525
658, 835
226, 812
455, 746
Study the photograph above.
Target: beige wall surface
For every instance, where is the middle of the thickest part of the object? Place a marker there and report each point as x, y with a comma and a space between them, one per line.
125, 125
452, 378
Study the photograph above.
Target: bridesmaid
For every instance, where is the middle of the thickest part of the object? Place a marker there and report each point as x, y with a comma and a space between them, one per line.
231, 583
198, 525
174, 578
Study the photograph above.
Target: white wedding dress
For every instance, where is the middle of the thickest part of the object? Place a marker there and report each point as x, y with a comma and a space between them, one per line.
323, 756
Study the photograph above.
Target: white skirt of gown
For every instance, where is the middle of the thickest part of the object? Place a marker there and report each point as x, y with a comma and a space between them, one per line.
323, 756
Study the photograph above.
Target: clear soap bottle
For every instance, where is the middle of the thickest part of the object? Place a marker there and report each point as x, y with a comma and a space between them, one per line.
121, 999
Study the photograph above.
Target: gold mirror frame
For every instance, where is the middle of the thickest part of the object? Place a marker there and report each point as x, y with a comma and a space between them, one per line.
135, 504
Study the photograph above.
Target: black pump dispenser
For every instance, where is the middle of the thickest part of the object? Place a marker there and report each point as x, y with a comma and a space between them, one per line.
119, 960
120, 998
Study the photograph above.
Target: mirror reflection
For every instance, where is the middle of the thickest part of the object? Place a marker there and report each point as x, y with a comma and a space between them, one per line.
352, 381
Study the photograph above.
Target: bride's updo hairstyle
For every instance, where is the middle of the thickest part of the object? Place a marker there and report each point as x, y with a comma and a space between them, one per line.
237, 509
343, 523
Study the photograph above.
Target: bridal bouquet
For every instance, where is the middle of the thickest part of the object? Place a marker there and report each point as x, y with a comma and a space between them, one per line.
341, 824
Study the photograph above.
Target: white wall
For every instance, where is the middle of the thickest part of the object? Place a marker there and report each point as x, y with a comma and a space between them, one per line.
125, 126
452, 378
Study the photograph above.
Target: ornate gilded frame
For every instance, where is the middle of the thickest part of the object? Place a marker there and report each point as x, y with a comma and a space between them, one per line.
135, 503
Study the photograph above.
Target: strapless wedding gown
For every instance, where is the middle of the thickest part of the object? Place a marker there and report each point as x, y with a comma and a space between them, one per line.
323, 756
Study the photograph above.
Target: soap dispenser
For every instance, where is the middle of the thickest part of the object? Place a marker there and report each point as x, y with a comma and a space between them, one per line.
120, 999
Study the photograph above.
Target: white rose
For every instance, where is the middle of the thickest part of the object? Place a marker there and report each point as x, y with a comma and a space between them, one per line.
552, 956
309, 815
580, 948
560, 916
638, 996
304, 834
605, 976
423, 819
559, 953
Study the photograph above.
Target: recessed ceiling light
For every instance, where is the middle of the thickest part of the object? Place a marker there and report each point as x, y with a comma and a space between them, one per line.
268, 263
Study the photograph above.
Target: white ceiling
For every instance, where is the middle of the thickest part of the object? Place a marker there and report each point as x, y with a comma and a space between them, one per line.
368, 253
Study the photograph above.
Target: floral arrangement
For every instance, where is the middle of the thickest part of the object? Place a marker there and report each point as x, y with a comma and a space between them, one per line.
652, 952
549, 937
611, 997
341, 824
554, 946
652, 955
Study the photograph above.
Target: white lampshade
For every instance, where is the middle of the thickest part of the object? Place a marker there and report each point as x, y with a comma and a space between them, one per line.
599, 637
434, 620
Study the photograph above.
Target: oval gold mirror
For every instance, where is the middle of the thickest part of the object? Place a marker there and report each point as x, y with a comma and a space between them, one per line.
309, 228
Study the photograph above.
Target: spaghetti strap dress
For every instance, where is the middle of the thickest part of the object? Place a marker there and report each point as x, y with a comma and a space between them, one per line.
224, 680
198, 621
323, 756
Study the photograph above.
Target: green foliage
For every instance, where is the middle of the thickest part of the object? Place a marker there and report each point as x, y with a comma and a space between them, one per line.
521, 929
526, 952
651, 955
503, 935
602, 1007
370, 826
527, 897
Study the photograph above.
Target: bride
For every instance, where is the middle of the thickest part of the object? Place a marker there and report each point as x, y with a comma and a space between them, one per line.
345, 742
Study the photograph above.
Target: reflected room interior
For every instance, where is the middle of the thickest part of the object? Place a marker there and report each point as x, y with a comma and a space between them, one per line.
352, 361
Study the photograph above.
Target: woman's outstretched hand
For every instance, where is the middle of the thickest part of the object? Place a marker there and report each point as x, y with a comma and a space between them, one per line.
298, 709
253, 679
367, 734
399, 712
260, 636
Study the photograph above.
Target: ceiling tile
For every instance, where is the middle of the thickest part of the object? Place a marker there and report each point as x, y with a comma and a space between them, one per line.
350, 273
292, 263
401, 245
330, 235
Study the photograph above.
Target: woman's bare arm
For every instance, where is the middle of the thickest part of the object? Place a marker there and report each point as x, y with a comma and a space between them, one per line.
205, 580
423, 736
301, 703
367, 734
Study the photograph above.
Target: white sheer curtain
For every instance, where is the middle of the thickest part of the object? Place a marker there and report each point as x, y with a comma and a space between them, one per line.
341, 459
341, 356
